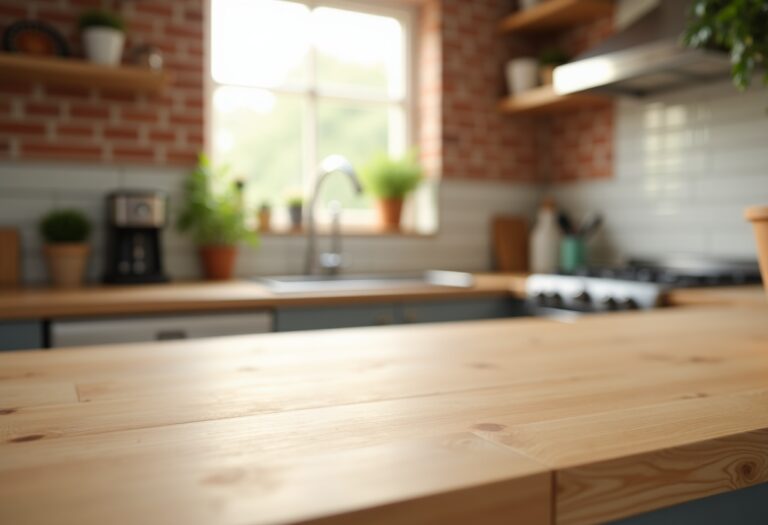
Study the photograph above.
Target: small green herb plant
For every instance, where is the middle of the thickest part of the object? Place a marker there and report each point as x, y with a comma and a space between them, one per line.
212, 210
294, 200
391, 178
738, 26
99, 18
65, 226
553, 57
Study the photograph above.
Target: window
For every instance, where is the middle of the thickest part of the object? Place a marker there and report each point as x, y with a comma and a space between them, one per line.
293, 82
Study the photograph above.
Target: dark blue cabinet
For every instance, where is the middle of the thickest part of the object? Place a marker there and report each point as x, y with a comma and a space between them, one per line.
458, 310
21, 335
319, 317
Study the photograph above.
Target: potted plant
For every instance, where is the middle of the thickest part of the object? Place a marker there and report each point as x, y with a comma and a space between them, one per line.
390, 181
103, 36
66, 251
295, 203
741, 28
213, 214
548, 61
265, 216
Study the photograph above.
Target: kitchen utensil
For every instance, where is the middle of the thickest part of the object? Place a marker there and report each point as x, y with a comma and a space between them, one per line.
510, 243
590, 225
10, 258
565, 223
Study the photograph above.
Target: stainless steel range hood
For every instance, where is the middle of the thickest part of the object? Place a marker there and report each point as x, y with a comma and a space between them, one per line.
644, 58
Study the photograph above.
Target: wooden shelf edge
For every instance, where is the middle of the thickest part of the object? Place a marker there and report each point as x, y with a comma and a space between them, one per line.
73, 72
544, 100
551, 15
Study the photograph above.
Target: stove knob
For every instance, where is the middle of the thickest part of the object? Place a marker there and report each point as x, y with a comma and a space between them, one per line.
628, 304
610, 304
583, 299
540, 299
555, 300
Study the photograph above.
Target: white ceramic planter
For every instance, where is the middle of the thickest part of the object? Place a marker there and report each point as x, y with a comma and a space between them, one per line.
522, 74
104, 45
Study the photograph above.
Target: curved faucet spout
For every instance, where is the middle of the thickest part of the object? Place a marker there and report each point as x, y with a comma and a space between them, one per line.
329, 165
332, 164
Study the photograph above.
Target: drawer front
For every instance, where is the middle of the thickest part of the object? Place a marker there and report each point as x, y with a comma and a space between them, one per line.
21, 335
459, 310
292, 319
83, 332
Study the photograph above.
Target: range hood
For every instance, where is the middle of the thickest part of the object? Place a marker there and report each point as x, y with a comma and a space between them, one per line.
644, 58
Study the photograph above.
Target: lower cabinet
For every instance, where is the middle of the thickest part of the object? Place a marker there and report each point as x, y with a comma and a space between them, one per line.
319, 317
459, 310
84, 332
21, 335
357, 315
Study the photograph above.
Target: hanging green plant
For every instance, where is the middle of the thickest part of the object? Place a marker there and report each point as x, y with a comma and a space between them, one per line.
738, 26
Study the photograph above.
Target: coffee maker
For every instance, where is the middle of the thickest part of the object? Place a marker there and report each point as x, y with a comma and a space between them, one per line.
135, 220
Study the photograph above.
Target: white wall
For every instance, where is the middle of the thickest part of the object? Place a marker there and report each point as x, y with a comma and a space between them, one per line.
686, 166
27, 191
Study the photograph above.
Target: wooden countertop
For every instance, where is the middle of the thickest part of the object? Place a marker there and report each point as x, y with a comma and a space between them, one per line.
749, 295
231, 295
242, 295
530, 420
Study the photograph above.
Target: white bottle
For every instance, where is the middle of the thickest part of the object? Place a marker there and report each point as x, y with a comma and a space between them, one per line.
545, 240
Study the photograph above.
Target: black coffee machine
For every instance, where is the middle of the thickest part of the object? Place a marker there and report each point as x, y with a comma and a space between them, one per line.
135, 220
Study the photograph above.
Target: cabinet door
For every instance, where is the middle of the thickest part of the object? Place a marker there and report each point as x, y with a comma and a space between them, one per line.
319, 318
83, 332
21, 335
459, 310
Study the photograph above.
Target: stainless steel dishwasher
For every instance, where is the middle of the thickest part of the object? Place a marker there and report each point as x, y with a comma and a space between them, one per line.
104, 331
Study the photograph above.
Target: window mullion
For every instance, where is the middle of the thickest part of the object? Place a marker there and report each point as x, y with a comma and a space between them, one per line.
311, 160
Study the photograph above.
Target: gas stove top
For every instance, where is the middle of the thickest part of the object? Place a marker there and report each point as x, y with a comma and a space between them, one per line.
679, 272
639, 285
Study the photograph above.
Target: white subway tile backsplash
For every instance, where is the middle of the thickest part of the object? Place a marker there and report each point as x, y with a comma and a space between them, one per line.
686, 165
28, 191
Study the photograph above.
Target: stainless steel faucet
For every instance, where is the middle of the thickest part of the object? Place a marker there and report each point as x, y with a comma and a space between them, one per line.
329, 262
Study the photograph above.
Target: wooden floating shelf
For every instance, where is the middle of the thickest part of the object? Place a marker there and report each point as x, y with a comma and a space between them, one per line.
554, 15
73, 72
543, 100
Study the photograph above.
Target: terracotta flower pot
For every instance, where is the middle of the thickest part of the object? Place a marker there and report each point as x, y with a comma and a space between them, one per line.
265, 219
758, 216
390, 211
218, 261
66, 264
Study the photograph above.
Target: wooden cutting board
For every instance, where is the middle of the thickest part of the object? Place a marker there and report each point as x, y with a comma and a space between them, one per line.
510, 243
10, 258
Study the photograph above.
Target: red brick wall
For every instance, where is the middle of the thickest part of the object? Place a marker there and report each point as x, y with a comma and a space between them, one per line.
459, 99
79, 123
578, 145
475, 140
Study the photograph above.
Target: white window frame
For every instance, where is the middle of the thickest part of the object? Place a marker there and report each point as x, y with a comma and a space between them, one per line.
406, 15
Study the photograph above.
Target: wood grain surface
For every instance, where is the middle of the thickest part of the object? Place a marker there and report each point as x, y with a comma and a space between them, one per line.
629, 412
233, 295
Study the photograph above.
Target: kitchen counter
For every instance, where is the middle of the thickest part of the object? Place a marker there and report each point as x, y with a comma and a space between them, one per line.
524, 420
747, 295
230, 295
180, 297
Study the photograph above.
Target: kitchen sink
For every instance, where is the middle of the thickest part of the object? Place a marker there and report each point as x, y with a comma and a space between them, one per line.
286, 284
